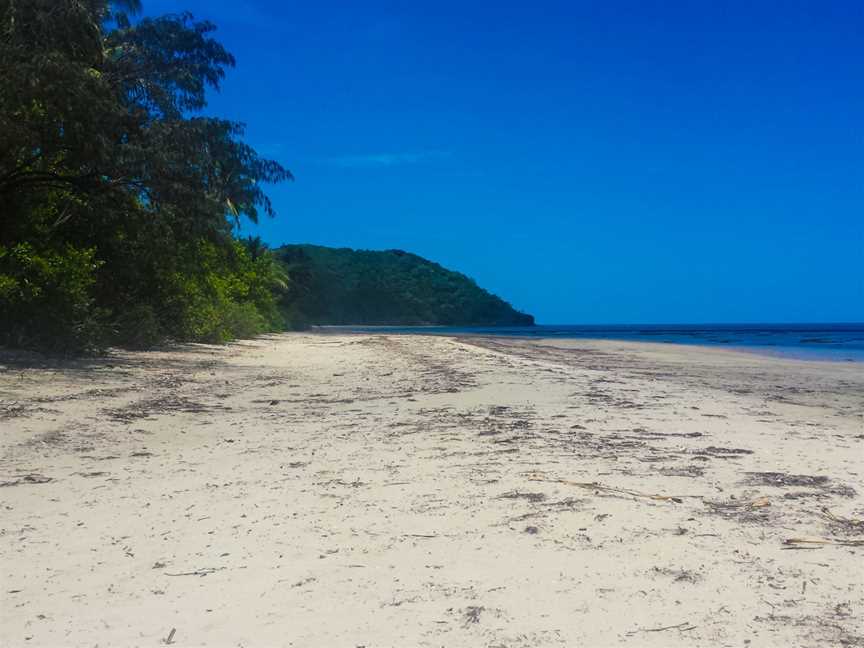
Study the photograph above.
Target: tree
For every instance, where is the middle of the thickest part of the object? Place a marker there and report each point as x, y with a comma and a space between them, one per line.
102, 149
88, 111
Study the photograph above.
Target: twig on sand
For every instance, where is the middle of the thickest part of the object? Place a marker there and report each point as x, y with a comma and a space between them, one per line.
170, 638
683, 627
795, 543
595, 486
198, 572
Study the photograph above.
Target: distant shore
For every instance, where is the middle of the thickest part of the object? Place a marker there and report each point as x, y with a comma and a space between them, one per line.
434, 490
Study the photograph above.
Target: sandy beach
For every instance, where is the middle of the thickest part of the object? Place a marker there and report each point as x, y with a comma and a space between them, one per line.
384, 490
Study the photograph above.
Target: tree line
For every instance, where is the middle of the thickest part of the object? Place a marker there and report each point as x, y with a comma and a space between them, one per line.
119, 200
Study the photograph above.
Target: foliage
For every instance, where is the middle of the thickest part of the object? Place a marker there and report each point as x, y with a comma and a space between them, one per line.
118, 201
45, 298
342, 286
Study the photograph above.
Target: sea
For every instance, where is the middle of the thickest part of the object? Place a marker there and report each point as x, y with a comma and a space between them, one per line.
825, 342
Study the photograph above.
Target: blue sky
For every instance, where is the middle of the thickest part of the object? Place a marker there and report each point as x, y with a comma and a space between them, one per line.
589, 161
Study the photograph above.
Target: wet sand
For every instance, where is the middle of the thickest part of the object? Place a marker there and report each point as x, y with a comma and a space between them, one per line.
384, 490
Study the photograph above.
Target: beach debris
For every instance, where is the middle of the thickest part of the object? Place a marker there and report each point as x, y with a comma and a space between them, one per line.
397, 602
803, 542
799, 495
204, 571
32, 478
686, 626
847, 524
759, 502
648, 434
691, 470
600, 488
164, 404
170, 638
722, 453
678, 575
821, 485
472, 614
842, 490
341, 482
531, 497
736, 508
532, 530
783, 479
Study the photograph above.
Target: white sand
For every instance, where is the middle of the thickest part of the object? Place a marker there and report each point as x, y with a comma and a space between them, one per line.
381, 490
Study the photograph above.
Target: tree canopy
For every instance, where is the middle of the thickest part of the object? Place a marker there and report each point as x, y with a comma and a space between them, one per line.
118, 197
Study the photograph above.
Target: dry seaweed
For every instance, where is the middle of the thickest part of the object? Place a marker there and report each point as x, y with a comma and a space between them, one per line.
742, 510
843, 524
783, 479
32, 478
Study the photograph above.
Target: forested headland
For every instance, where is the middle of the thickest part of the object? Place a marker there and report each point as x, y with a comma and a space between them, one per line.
343, 286
121, 203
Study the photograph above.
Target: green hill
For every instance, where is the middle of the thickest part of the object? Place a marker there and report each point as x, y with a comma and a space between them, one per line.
344, 286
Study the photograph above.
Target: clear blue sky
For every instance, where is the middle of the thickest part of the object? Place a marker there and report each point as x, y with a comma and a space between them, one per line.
589, 161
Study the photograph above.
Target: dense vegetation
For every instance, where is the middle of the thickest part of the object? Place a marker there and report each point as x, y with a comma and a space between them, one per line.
120, 201
118, 198
342, 286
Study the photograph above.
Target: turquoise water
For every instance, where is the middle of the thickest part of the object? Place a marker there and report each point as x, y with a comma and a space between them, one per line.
836, 342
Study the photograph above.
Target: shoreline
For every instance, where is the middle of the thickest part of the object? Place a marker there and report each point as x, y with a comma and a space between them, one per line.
811, 353
456, 491
763, 352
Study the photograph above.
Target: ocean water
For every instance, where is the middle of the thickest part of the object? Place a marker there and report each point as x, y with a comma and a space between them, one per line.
832, 342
